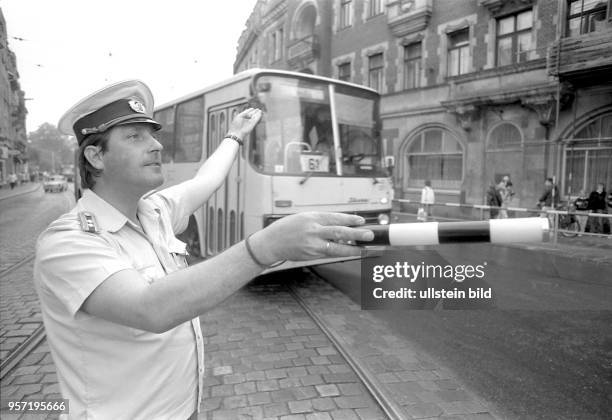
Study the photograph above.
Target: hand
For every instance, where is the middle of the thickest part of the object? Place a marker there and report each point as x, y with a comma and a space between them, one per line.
307, 236
243, 123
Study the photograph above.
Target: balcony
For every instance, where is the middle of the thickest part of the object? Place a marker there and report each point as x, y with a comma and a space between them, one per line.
405, 17
303, 50
587, 56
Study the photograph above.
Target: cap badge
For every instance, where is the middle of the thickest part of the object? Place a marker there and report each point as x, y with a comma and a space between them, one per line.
137, 106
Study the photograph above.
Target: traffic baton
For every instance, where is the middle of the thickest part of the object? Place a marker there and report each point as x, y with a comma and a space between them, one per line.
528, 229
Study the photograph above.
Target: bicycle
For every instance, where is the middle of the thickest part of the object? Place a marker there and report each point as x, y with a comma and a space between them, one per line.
568, 223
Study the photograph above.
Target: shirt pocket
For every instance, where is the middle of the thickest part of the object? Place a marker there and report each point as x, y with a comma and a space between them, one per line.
178, 252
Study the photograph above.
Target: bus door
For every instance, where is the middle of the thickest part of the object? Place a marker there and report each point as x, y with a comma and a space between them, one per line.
211, 204
233, 185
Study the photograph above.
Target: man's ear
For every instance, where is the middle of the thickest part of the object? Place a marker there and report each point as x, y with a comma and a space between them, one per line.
93, 154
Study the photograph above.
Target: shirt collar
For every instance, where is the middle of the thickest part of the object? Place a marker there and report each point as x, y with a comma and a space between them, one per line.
108, 217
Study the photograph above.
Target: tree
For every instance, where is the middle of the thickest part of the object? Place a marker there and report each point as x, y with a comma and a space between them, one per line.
49, 149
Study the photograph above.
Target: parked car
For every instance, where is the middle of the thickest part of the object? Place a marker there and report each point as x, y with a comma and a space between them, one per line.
55, 183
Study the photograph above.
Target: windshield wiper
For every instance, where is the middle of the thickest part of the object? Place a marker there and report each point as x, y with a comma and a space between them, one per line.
306, 178
376, 181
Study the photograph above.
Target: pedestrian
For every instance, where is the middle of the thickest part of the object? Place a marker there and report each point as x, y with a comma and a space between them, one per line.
505, 192
494, 200
428, 197
119, 305
12, 179
549, 199
598, 204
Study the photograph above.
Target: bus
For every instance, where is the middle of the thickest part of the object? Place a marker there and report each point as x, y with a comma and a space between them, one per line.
316, 148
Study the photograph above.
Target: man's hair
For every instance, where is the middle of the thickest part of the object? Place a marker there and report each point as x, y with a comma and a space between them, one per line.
549, 179
88, 172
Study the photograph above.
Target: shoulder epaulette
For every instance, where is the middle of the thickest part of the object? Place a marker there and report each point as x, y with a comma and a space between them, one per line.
88, 222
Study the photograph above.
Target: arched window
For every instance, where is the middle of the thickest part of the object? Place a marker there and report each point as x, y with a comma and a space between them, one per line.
434, 154
505, 136
588, 156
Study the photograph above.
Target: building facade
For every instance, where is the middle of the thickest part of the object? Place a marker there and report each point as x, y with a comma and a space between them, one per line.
472, 90
13, 138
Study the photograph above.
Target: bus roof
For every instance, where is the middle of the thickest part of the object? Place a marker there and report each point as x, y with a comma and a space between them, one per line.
252, 72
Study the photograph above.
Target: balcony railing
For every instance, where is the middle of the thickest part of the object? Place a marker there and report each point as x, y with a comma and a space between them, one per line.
576, 55
407, 17
306, 48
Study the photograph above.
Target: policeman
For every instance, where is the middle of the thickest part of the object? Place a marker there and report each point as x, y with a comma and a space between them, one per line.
120, 308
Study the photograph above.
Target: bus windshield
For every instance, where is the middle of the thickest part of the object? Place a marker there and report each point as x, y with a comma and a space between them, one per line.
296, 135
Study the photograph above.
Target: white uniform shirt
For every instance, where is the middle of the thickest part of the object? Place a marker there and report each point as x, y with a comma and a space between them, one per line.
427, 195
106, 370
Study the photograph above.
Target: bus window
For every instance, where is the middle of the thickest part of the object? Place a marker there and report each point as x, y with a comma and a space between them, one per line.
241, 225
166, 135
220, 231
189, 126
210, 236
296, 136
232, 227
212, 133
222, 129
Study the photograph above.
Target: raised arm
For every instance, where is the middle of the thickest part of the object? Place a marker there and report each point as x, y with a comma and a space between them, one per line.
216, 168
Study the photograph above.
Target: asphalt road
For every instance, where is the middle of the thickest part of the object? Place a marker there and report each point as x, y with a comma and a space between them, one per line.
530, 363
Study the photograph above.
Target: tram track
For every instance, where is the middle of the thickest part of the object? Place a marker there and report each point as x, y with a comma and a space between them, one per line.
16, 265
386, 402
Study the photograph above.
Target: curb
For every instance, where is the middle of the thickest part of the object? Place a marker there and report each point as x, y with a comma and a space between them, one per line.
28, 191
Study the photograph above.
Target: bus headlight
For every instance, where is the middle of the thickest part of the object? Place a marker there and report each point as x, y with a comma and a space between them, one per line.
383, 219
384, 200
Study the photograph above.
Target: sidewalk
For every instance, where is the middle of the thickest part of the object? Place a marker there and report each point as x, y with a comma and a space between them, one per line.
7, 192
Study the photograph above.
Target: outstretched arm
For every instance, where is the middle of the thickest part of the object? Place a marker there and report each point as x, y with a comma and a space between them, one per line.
126, 299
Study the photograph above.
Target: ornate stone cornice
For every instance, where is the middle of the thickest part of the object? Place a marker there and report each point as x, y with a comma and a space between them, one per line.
541, 99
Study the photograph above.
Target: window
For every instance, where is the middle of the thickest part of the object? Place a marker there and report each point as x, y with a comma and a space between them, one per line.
189, 130
514, 40
166, 135
346, 13
505, 136
584, 16
277, 42
588, 158
376, 7
412, 66
279, 45
344, 72
375, 72
458, 52
437, 155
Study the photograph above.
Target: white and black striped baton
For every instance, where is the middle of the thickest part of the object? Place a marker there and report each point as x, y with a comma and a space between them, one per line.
528, 229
